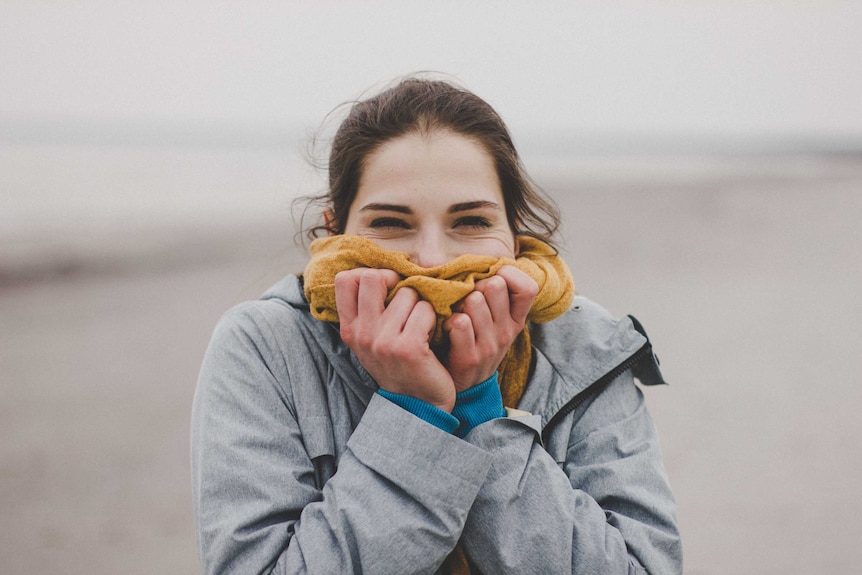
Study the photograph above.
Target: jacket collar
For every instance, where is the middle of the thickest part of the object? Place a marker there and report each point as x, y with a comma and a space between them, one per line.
573, 352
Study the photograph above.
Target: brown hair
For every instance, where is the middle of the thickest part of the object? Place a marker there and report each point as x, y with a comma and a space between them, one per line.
420, 105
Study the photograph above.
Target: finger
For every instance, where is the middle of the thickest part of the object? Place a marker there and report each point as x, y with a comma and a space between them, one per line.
462, 335
421, 321
390, 277
522, 291
400, 307
475, 307
346, 292
372, 292
496, 296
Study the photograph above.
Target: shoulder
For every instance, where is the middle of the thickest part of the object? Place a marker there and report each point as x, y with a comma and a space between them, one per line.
277, 326
281, 307
261, 324
267, 346
587, 332
585, 345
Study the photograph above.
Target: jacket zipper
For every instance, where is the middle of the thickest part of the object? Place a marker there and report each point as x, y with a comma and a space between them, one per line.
597, 386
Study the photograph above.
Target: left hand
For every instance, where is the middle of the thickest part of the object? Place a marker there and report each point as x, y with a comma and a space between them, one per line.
486, 323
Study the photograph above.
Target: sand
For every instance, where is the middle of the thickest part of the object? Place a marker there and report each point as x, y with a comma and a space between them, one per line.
745, 272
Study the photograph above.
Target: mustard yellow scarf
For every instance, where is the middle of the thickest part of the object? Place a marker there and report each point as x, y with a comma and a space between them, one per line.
443, 286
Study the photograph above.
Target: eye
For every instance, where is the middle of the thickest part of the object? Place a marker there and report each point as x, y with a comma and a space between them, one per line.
475, 222
388, 223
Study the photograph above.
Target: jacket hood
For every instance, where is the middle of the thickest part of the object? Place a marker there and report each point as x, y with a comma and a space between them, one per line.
288, 289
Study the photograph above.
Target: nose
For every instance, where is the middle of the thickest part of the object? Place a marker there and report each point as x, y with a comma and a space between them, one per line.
431, 250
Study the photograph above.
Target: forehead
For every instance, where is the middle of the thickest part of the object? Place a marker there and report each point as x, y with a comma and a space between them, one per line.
438, 162
434, 142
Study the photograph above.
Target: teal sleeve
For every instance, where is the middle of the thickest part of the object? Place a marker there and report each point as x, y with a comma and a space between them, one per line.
480, 403
423, 410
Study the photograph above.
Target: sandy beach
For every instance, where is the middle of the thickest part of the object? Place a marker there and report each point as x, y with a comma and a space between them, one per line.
744, 270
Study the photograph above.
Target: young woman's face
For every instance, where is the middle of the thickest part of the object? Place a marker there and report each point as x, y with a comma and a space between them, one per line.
435, 196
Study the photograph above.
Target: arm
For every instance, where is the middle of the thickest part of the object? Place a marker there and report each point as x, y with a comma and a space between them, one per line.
396, 505
607, 510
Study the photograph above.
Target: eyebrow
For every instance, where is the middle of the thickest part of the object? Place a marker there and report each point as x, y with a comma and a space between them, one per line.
467, 206
453, 209
377, 207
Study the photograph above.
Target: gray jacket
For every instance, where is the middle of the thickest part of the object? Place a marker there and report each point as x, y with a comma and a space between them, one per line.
298, 466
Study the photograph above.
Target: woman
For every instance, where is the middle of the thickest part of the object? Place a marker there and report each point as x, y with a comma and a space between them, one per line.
360, 417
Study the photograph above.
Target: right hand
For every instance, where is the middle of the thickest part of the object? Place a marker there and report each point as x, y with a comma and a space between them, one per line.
392, 342
486, 323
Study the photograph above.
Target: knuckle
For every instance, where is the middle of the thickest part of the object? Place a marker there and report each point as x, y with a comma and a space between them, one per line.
474, 300
346, 334
424, 310
365, 338
341, 279
401, 352
368, 275
460, 322
491, 347
497, 283
392, 350
409, 294
379, 348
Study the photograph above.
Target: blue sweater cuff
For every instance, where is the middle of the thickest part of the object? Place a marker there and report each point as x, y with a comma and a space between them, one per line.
480, 403
423, 410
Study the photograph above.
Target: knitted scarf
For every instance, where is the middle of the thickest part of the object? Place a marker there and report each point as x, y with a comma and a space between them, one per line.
443, 286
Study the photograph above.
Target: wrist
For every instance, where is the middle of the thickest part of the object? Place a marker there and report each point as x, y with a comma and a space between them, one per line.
425, 411
478, 404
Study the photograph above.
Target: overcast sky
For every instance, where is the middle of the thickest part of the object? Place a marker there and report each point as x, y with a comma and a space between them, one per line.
713, 69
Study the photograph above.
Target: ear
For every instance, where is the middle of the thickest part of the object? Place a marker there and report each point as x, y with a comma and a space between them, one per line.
328, 218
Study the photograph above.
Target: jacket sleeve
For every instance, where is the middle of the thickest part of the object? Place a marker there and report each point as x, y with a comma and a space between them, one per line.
397, 503
607, 508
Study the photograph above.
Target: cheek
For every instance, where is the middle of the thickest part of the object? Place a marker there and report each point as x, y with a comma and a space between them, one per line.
510, 248
499, 246
393, 245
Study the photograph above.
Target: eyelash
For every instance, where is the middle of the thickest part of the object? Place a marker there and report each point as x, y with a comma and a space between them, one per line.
382, 223
475, 222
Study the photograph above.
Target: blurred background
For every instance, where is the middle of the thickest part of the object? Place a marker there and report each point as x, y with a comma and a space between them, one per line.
707, 158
